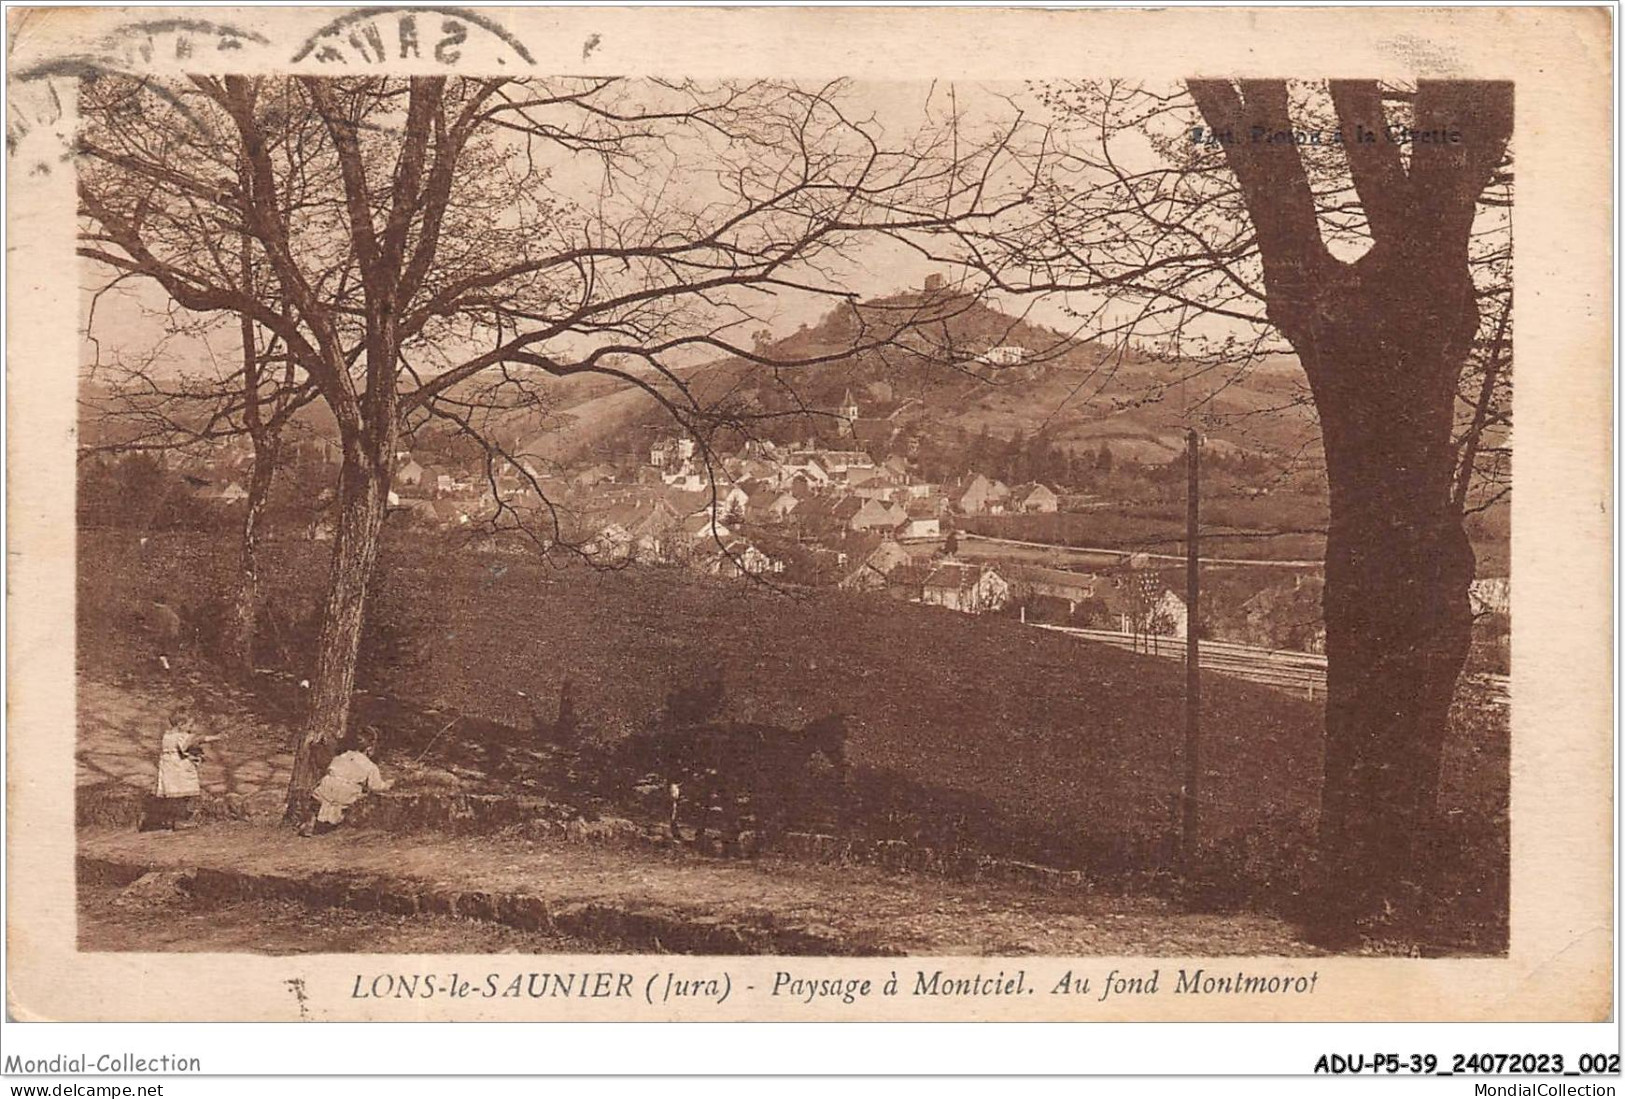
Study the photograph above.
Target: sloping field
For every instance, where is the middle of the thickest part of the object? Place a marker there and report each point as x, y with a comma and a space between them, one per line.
1073, 745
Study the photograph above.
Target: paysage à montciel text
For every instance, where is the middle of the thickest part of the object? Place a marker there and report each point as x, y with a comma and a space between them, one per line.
810, 988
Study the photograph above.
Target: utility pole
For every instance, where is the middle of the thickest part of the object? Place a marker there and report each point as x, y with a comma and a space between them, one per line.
1193, 680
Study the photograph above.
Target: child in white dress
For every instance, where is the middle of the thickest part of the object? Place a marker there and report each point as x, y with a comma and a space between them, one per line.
176, 793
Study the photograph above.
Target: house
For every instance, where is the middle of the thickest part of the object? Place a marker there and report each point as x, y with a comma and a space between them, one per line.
1282, 616
509, 482
879, 488
781, 505
825, 517
701, 528
685, 502
639, 527
1033, 497
1142, 605
840, 461
876, 515
770, 508
874, 569
594, 475
965, 587
754, 469
683, 478
729, 500
613, 542
871, 477
806, 467
920, 526
409, 474
1004, 355
737, 469
1073, 588
737, 558
673, 451
980, 496
907, 582
757, 490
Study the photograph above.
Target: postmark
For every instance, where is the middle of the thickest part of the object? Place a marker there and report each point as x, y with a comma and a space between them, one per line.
38, 118
373, 38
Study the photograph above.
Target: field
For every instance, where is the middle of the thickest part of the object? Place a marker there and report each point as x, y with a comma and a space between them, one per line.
1279, 527
1026, 743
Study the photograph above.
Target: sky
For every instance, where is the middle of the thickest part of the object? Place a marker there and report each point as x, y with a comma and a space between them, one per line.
124, 324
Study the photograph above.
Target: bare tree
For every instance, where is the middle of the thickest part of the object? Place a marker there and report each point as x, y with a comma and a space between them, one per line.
1364, 228
145, 407
427, 240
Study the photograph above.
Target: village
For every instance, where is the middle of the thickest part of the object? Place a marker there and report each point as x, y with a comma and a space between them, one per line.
862, 491
812, 515
849, 512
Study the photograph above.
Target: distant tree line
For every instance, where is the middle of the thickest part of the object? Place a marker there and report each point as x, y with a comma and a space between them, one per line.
138, 491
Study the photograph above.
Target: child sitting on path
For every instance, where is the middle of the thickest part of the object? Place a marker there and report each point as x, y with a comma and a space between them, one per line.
351, 775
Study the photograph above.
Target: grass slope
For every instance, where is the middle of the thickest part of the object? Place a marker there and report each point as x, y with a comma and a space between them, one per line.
1044, 734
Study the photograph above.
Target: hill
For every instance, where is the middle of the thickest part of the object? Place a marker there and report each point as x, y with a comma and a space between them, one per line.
924, 380
928, 382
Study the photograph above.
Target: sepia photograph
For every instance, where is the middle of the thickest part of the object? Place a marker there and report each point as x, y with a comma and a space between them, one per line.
773, 512
517, 511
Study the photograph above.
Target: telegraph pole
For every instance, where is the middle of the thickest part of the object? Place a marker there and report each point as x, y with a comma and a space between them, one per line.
1193, 682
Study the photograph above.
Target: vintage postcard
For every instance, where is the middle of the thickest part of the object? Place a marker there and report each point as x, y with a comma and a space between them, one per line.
809, 514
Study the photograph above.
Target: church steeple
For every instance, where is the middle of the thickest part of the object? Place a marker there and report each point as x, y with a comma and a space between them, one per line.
849, 409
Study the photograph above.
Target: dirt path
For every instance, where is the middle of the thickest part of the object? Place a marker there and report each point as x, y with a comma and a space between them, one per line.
109, 920
855, 907
847, 908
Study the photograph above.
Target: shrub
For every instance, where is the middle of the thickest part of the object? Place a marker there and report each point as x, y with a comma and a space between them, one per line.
393, 639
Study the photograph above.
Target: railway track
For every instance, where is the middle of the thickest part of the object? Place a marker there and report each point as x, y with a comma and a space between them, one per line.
1284, 669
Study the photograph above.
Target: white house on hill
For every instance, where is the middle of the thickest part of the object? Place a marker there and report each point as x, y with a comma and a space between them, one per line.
1005, 355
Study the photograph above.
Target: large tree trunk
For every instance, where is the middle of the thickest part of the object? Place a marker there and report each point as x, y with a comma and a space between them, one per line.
1383, 340
1384, 355
1398, 626
362, 497
244, 620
